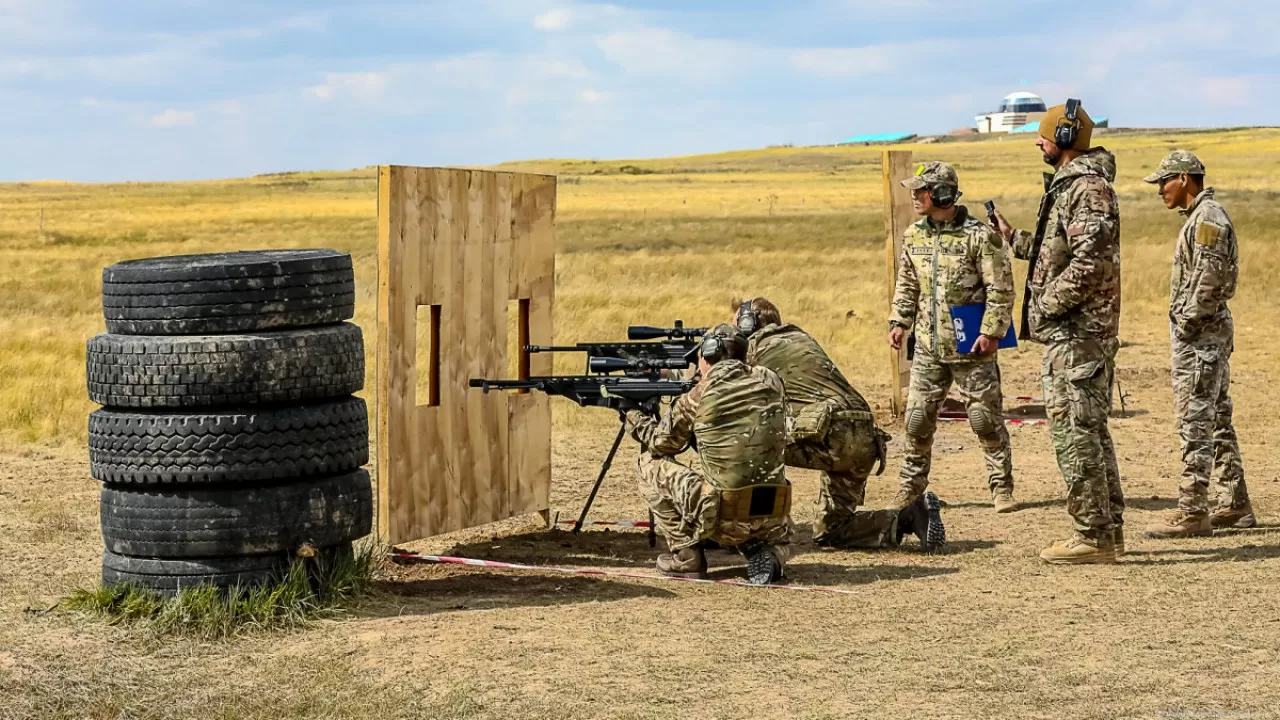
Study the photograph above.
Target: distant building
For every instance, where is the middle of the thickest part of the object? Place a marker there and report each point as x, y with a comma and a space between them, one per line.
1017, 109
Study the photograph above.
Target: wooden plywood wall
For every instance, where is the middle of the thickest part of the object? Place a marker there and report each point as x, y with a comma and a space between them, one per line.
455, 247
898, 216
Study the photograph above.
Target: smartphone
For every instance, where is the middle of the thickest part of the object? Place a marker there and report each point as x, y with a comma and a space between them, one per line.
991, 212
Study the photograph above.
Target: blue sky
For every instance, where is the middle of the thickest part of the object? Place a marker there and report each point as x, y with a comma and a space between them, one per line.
192, 89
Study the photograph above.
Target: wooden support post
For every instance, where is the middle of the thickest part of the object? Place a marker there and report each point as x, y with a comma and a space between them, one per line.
898, 215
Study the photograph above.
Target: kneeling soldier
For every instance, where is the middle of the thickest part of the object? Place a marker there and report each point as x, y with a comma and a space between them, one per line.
1202, 335
832, 428
737, 493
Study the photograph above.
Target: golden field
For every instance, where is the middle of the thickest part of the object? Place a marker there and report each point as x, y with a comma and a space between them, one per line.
1176, 630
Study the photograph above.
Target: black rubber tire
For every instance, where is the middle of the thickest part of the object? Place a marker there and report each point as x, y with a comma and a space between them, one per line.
220, 521
225, 266
217, 371
228, 292
169, 577
230, 446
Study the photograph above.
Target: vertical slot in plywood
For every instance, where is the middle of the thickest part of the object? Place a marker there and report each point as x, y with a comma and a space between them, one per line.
427, 364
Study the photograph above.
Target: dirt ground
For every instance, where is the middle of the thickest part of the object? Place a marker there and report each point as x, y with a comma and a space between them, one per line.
984, 630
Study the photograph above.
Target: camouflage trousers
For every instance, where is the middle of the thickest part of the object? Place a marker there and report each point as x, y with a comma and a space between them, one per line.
846, 456
979, 386
863, 529
686, 508
1202, 403
1076, 376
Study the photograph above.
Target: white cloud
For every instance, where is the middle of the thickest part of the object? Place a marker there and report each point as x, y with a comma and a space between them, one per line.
1234, 92
593, 97
660, 51
362, 86
173, 118
557, 19
843, 62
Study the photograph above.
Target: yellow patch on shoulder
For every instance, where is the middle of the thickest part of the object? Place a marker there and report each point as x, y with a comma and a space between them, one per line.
1207, 234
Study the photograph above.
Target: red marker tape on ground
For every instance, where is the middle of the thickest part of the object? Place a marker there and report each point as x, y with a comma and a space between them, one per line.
409, 557
1008, 421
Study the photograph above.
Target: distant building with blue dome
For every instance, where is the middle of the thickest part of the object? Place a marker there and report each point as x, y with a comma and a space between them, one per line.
1015, 111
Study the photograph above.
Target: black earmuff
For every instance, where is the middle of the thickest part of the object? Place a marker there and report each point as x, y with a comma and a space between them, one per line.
712, 349
943, 196
746, 319
1068, 129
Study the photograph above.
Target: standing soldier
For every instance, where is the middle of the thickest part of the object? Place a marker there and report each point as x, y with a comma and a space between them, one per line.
832, 429
1205, 267
737, 494
950, 259
1072, 306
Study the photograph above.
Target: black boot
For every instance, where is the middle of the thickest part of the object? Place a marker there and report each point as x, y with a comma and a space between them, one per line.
927, 522
763, 564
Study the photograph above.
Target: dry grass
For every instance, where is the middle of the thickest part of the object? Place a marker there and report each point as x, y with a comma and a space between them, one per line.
1177, 630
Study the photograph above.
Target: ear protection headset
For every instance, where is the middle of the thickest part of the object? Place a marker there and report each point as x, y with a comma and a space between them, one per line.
746, 319
712, 349
943, 195
1068, 129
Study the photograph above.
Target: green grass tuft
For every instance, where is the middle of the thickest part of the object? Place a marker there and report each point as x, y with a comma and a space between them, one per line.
311, 590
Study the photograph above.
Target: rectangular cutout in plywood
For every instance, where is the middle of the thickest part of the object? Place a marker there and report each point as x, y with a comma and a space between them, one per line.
455, 249
898, 216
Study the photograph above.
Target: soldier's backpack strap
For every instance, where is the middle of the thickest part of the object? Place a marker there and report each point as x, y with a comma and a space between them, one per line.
755, 502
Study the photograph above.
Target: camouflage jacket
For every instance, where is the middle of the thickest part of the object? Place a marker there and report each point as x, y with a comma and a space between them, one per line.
1205, 267
963, 262
1073, 285
808, 375
737, 414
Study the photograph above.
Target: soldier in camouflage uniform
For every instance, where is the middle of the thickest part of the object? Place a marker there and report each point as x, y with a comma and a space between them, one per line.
832, 429
1205, 268
1072, 306
949, 258
737, 493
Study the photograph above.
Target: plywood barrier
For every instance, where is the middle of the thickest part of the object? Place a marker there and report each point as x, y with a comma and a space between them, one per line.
898, 216
455, 247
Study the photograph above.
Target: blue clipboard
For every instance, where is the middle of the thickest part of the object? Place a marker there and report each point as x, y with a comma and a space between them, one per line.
967, 321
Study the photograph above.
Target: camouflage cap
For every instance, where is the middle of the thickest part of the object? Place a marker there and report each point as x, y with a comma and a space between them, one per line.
1176, 163
930, 174
734, 341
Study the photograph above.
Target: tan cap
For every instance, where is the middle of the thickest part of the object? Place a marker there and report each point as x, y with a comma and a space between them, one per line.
1057, 115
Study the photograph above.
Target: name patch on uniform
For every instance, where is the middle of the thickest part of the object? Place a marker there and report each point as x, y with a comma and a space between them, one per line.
1207, 234
920, 250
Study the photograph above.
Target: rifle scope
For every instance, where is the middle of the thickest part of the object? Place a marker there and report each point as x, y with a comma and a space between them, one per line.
608, 364
679, 332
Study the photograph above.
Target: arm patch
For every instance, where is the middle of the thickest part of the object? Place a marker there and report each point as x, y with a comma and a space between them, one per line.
1207, 233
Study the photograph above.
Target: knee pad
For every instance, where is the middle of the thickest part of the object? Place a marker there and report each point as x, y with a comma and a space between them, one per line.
983, 421
919, 424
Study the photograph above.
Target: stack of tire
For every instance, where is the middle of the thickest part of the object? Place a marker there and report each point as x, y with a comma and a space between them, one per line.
229, 441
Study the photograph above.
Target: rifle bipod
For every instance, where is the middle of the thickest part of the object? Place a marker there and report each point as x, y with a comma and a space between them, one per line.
604, 470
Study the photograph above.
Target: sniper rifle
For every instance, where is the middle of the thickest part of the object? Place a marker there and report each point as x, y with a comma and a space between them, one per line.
618, 392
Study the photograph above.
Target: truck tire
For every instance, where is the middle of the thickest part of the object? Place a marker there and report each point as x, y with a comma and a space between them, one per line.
228, 292
196, 521
234, 446
169, 577
217, 371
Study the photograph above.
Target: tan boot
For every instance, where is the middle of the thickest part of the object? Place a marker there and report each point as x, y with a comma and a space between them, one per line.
687, 562
1117, 533
1077, 551
1003, 501
902, 500
1178, 524
1228, 518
